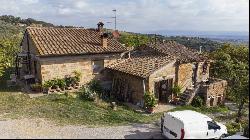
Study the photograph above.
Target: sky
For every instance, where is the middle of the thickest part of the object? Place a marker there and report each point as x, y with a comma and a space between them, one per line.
137, 15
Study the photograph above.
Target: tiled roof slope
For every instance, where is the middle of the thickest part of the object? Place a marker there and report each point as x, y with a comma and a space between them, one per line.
141, 66
181, 52
70, 41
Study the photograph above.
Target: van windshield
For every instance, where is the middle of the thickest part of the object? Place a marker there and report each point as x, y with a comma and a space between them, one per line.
212, 125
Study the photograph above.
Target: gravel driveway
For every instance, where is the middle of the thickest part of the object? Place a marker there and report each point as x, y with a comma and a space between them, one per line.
40, 128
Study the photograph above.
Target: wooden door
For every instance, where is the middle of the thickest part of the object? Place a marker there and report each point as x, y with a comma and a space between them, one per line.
165, 90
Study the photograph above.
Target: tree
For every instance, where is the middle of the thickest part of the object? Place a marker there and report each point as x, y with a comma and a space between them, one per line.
134, 39
8, 49
232, 64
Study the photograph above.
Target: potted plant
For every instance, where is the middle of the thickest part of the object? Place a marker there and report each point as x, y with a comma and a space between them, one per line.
176, 90
150, 101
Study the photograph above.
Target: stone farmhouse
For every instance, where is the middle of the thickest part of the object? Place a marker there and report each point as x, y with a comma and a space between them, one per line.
158, 67
48, 53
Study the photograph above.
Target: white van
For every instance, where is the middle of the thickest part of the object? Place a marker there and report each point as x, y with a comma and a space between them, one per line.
190, 125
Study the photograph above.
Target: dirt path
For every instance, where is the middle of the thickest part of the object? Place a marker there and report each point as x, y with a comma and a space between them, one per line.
39, 128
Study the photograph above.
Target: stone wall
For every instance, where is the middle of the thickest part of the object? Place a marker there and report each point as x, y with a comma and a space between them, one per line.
202, 76
185, 73
58, 67
167, 72
130, 85
214, 92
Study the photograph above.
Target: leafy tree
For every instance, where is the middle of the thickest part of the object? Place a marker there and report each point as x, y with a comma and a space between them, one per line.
232, 64
8, 49
134, 40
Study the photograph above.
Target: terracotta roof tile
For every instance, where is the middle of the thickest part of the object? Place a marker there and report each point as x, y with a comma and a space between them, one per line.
181, 52
141, 66
67, 41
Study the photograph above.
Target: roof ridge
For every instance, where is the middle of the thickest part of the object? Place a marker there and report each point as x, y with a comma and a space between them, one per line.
59, 28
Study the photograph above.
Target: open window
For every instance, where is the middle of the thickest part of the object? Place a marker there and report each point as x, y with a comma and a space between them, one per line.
212, 125
97, 66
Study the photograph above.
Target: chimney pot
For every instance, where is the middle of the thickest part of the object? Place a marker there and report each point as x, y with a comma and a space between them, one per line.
100, 26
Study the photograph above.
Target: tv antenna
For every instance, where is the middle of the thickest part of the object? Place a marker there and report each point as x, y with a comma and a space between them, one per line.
114, 10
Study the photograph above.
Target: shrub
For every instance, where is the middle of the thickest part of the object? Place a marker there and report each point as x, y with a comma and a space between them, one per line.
176, 90
150, 100
197, 101
68, 80
61, 83
86, 93
77, 76
233, 128
53, 83
47, 84
95, 85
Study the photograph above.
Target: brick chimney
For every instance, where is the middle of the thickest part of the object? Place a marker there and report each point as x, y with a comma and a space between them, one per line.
104, 40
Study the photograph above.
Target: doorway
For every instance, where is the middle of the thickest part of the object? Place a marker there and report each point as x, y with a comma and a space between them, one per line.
211, 101
164, 89
219, 101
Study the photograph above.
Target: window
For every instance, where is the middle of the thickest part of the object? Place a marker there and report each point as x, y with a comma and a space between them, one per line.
204, 68
212, 125
97, 66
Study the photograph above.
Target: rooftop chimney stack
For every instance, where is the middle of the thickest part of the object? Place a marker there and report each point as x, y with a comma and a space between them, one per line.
104, 38
100, 27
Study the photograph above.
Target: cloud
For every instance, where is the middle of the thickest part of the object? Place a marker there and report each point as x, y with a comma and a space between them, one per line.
137, 15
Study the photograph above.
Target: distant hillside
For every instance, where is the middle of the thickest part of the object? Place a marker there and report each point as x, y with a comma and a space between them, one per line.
8, 30
29, 21
135, 39
15, 26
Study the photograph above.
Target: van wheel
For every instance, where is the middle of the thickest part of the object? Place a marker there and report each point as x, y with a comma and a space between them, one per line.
223, 136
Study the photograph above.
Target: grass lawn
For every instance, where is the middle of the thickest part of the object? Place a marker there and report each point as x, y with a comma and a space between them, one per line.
203, 109
63, 109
